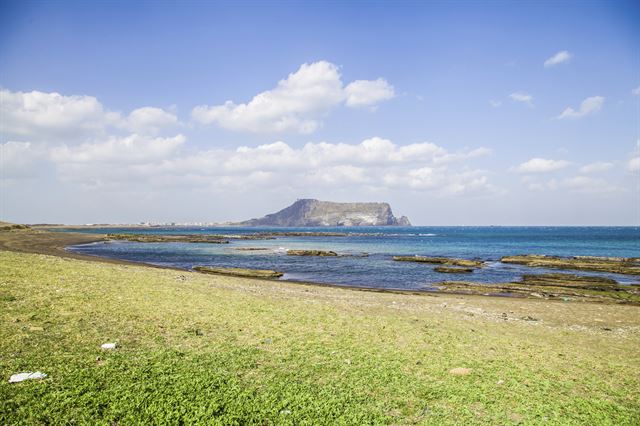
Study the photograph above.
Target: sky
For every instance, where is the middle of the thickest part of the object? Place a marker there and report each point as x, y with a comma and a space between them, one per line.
456, 113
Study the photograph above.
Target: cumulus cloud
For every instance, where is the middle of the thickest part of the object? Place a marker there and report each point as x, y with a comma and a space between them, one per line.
52, 117
597, 167
368, 92
559, 58
297, 104
370, 152
375, 163
589, 106
132, 148
149, 120
522, 97
541, 165
636, 91
634, 164
41, 116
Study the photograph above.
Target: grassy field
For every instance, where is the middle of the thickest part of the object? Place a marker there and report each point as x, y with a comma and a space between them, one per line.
222, 350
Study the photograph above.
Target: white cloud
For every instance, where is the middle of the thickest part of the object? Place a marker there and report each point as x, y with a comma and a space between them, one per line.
149, 120
20, 160
370, 152
636, 91
45, 116
599, 166
495, 103
52, 117
559, 58
375, 163
297, 104
131, 149
634, 164
368, 92
541, 165
522, 97
589, 106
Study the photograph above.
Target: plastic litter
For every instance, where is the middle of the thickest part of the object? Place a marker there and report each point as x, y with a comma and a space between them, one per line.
21, 377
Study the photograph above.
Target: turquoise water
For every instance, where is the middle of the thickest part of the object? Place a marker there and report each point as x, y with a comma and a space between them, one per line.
381, 243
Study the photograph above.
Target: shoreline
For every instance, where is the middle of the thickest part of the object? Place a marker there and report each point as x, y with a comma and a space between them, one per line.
42, 241
56, 244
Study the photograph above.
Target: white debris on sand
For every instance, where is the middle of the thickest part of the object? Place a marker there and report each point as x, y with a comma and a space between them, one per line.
21, 377
109, 346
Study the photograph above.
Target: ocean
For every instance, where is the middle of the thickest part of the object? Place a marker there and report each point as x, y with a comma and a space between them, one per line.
378, 269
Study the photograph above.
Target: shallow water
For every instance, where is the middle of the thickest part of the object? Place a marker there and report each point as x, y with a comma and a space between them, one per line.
382, 243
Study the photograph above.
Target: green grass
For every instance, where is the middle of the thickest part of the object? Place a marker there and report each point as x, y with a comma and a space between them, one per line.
198, 348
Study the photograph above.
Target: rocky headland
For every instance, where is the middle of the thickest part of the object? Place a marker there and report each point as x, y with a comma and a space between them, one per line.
310, 212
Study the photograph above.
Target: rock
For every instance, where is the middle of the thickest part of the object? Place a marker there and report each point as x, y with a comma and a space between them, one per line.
21, 377
109, 346
251, 248
460, 371
311, 253
154, 238
618, 265
439, 260
404, 221
310, 212
571, 280
363, 254
448, 270
239, 272
615, 294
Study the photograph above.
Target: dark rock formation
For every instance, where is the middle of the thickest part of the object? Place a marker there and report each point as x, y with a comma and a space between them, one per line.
454, 270
311, 253
440, 261
155, 238
619, 265
239, 272
308, 212
552, 286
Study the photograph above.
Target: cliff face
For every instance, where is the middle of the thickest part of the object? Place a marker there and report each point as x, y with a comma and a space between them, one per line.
308, 212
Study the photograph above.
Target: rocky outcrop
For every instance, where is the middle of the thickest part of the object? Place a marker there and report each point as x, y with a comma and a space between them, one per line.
404, 221
552, 286
452, 270
440, 261
239, 272
309, 212
311, 253
155, 238
619, 265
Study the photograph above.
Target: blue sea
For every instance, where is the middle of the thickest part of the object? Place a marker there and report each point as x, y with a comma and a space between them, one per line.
378, 270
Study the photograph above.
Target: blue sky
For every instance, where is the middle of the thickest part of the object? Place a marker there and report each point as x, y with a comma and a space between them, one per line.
464, 84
